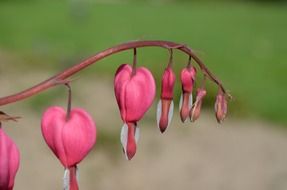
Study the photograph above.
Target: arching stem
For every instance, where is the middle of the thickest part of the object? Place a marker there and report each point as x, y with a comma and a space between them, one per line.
89, 61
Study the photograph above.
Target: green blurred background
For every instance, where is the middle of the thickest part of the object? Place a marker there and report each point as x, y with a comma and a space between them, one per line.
242, 42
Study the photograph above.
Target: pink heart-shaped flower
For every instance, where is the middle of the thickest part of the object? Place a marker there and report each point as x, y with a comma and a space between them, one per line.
135, 92
9, 161
70, 140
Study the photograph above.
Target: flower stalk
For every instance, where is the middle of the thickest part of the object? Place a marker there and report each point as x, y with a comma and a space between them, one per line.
69, 104
101, 55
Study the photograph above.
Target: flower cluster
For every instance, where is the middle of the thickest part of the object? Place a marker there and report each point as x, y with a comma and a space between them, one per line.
71, 133
135, 91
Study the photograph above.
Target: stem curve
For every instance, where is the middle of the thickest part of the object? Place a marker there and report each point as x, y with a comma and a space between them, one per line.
53, 81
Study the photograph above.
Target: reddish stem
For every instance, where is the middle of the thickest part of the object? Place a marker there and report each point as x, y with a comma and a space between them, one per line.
53, 81
69, 104
189, 63
134, 62
170, 61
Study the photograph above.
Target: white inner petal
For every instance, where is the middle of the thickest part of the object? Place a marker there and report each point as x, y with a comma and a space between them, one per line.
170, 113
192, 113
137, 134
180, 102
124, 137
66, 179
158, 113
190, 101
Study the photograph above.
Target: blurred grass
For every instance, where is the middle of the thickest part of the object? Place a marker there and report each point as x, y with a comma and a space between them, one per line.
244, 44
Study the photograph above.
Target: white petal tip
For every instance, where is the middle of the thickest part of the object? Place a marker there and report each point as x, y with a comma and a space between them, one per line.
124, 137
170, 113
66, 179
190, 103
180, 101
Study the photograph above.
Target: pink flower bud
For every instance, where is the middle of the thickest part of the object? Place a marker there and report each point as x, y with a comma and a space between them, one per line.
187, 78
9, 161
70, 140
220, 107
167, 84
135, 92
196, 108
165, 105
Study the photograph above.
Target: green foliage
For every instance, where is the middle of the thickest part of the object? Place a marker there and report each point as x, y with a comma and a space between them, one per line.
243, 44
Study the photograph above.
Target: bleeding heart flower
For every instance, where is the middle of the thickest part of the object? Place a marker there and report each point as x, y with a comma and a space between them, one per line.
187, 77
135, 92
70, 139
220, 107
165, 105
196, 108
9, 161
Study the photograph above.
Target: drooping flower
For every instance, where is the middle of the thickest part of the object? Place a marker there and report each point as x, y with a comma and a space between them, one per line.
9, 161
196, 108
187, 78
135, 92
165, 105
70, 139
220, 106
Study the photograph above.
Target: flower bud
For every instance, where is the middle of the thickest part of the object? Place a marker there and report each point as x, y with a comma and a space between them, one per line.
187, 77
9, 161
196, 108
165, 105
135, 92
220, 106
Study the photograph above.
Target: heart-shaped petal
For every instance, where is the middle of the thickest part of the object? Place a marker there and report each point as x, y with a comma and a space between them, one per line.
9, 161
134, 92
70, 140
